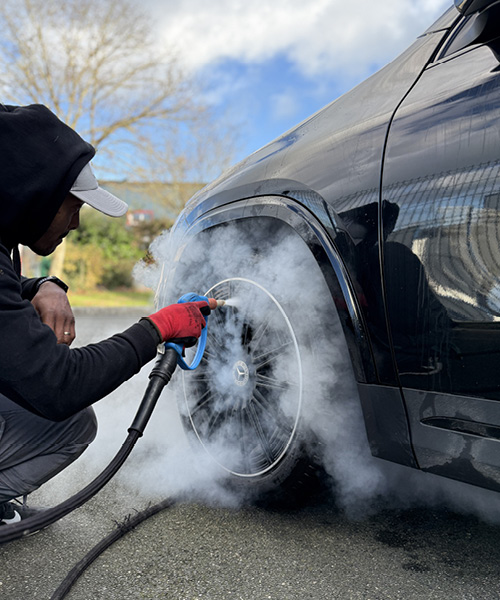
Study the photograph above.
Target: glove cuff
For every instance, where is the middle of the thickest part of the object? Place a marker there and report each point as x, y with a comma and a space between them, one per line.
151, 326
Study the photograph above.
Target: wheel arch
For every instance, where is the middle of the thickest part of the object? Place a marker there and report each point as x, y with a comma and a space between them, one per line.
287, 212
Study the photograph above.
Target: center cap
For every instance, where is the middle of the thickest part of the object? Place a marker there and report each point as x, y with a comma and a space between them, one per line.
240, 373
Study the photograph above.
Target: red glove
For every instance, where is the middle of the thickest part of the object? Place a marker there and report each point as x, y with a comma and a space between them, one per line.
180, 321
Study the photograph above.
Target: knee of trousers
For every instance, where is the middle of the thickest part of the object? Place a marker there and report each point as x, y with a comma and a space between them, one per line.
84, 425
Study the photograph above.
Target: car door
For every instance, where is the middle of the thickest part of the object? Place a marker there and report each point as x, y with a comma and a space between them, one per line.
441, 254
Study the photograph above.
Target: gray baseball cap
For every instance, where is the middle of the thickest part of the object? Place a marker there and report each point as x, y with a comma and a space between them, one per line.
86, 188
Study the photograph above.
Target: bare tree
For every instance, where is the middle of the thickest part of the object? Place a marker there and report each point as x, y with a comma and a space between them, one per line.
97, 64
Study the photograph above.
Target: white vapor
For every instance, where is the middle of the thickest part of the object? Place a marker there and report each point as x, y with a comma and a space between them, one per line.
164, 463
330, 413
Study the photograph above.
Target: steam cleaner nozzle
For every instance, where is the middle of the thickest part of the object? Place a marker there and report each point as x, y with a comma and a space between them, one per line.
213, 303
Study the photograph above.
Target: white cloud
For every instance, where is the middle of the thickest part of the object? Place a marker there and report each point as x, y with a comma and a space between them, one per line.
317, 36
284, 105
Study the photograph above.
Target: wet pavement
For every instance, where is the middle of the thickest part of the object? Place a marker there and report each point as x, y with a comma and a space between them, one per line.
200, 551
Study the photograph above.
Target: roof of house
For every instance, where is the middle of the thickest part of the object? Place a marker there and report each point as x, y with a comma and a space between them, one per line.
166, 200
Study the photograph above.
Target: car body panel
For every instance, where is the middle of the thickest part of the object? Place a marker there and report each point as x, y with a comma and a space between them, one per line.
442, 261
456, 436
444, 22
386, 424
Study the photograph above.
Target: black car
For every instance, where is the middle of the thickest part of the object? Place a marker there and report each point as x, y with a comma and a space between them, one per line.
360, 257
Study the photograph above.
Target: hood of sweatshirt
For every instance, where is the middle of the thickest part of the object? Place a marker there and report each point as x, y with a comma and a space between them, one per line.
40, 158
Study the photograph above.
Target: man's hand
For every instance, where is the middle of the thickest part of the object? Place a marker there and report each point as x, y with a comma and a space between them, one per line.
182, 321
52, 304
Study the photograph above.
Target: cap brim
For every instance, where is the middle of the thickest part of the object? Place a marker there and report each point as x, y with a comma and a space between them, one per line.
103, 201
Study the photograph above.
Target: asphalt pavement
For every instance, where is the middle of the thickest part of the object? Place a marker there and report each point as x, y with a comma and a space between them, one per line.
196, 552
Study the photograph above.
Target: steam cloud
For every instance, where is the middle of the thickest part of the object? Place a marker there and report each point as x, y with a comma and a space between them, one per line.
164, 463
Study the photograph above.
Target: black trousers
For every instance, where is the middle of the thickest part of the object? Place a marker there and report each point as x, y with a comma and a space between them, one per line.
34, 449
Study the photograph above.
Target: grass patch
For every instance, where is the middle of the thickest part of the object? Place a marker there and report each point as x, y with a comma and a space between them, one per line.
111, 298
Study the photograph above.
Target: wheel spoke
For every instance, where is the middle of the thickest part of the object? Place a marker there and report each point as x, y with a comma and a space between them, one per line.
213, 420
245, 335
207, 397
259, 334
272, 383
201, 377
202, 373
215, 341
219, 321
264, 405
210, 353
270, 409
282, 424
266, 357
261, 436
244, 454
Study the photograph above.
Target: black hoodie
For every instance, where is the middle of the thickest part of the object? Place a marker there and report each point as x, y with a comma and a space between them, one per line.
40, 158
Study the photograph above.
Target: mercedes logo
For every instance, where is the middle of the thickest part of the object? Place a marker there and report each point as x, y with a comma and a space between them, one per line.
240, 373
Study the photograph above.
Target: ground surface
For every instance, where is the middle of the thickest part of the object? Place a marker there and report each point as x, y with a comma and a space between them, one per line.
192, 552
202, 551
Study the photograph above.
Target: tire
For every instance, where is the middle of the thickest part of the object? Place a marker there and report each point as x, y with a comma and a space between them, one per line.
244, 404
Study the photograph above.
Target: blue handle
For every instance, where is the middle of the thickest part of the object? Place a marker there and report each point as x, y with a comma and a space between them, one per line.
202, 342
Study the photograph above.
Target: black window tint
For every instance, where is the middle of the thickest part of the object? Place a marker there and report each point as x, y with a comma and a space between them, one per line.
458, 38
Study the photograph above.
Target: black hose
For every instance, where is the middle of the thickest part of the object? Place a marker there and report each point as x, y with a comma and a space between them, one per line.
122, 529
158, 379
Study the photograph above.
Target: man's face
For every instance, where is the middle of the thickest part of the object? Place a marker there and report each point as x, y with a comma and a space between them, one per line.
66, 219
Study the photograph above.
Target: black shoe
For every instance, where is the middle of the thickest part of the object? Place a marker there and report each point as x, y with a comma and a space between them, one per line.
8, 514
14, 511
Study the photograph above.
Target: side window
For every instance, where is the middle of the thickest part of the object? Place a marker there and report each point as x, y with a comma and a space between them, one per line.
474, 30
459, 39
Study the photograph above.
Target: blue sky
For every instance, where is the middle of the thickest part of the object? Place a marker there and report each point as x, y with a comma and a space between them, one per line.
267, 66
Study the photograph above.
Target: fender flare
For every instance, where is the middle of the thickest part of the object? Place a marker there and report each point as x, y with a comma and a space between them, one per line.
320, 240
